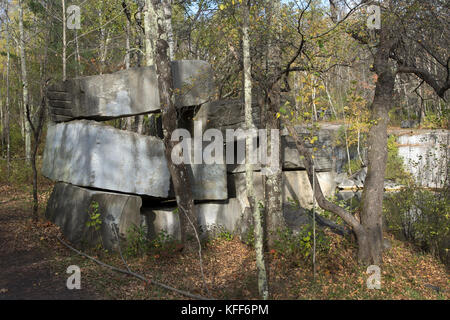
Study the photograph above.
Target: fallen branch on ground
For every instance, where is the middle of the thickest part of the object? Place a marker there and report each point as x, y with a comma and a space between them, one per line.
136, 275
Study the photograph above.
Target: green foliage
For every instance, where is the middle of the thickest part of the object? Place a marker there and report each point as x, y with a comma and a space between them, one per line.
220, 232
20, 173
95, 220
434, 121
137, 243
421, 217
354, 166
249, 238
395, 170
163, 242
94, 224
225, 235
298, 246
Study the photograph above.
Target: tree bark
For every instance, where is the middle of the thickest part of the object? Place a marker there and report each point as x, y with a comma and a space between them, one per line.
250, 125
7, 102
168, 23
179, 173
37, 131
64, 46
138, 125
150, 35
273, 180
27, 133
370, 247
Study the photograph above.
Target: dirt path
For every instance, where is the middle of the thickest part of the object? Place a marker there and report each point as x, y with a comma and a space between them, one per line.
27, 266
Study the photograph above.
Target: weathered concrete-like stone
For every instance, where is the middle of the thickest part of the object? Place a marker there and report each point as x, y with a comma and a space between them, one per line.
329, 156
128, 92
426, 155
211, 216
214, 217
89, 154
296, 186
69, 207
225, 114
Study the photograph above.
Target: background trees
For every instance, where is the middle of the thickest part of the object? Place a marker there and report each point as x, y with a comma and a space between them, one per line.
306, 61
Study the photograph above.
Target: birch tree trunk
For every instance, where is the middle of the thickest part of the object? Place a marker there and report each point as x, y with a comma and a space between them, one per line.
6, 129
139, 120
149, 15
168, 23
64, 47
179, 174
23, 66
250, 125
273, 180
129, 120
78, 56
128, 47
150, 37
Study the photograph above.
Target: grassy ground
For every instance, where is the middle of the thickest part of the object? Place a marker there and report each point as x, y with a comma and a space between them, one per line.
229, 266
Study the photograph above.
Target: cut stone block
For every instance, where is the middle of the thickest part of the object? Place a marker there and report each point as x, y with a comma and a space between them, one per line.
128, 92
291, 159
210, 181
229, 114
425, 155
70, 207
296, 186
225, 114
214, 218
211, 217
89, 154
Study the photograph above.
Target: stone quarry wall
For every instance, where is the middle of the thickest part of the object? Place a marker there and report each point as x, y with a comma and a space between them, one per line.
126, 175
426, 156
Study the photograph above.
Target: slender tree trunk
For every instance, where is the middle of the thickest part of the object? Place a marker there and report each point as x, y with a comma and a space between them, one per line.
128, 47
139, 120
23, 64
150, 35
78, 56
347, 149
129, 120
254, 207
64, 47
168, 23
329, 100
104, 42
2, 124
314, 108
37, 131
273, 180
180, 178
149, 15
